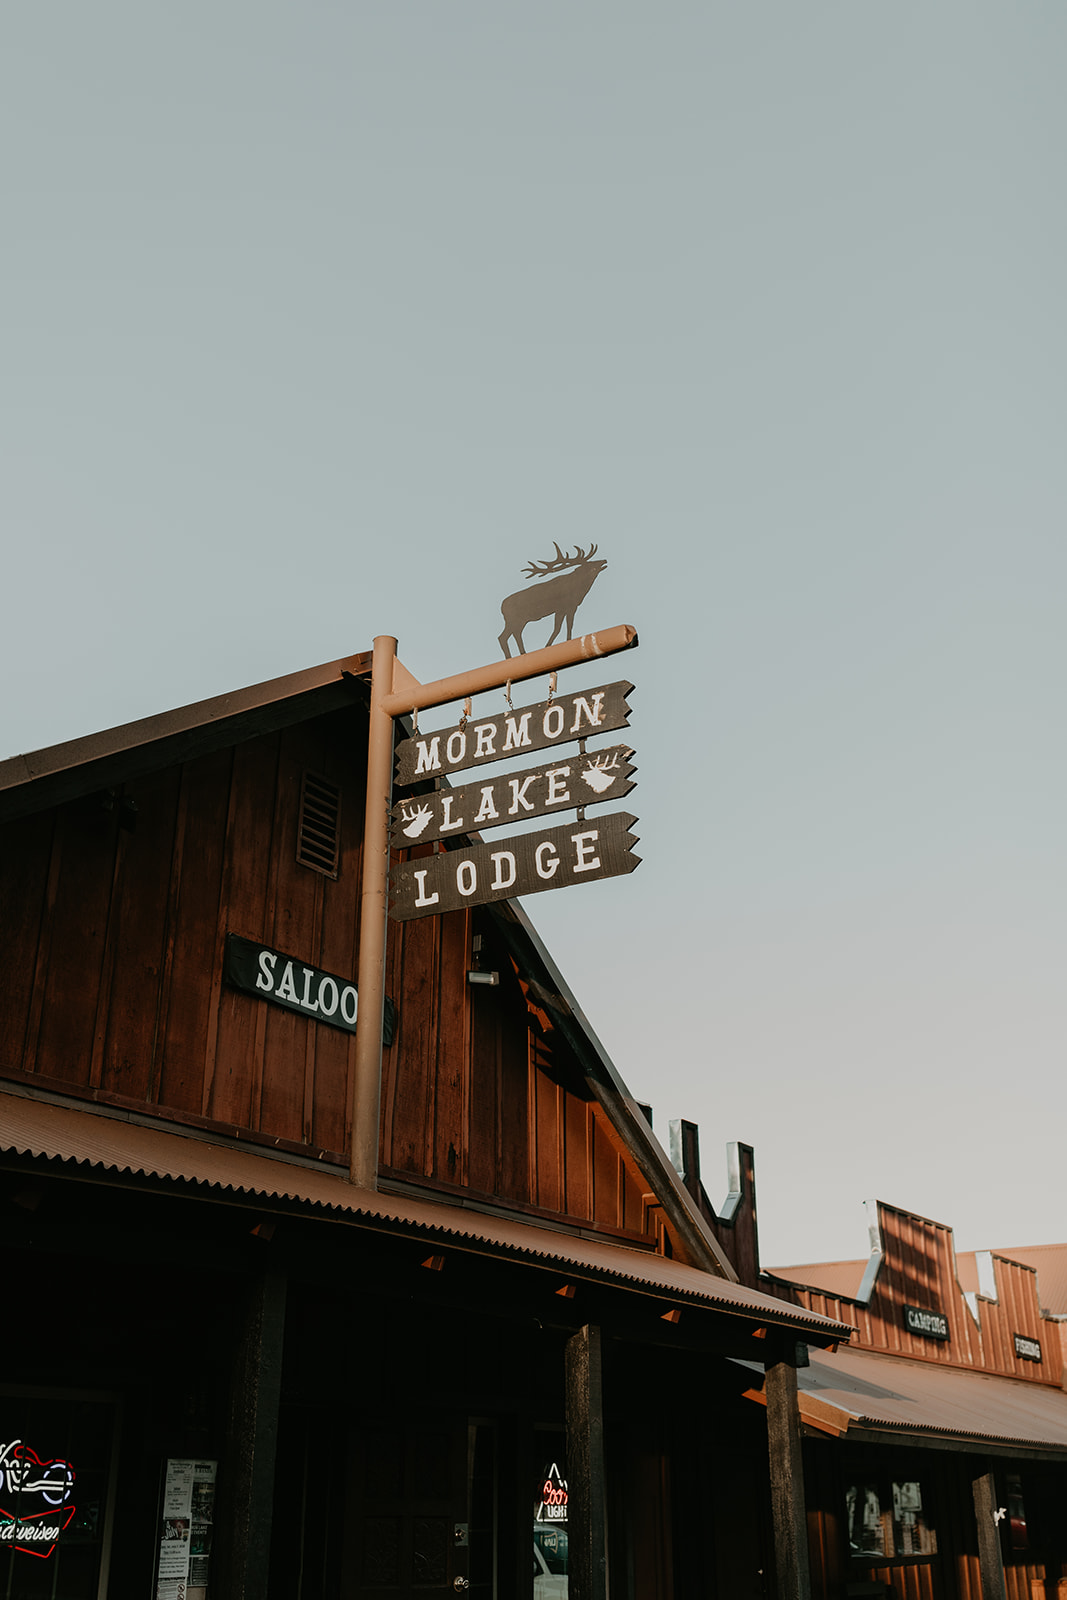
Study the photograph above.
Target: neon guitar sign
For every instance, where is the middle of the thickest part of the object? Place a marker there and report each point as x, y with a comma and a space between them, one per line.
35, 1499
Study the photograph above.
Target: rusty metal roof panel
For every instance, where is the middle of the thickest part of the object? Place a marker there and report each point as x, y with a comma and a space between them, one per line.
114, 1142
869, 1390
841, 1278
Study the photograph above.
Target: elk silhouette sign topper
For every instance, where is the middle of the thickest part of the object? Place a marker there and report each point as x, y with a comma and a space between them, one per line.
448, 820
560, 597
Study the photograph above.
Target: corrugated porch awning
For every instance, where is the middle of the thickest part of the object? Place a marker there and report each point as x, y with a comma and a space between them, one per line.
108, 1141
862, 1394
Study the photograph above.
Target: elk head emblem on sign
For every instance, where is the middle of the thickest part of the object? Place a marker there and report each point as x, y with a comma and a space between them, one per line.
559, 597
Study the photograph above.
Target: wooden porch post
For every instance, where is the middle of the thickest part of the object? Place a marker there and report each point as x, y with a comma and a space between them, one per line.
587, 1500
246, 1473
787, 1477
990, 1560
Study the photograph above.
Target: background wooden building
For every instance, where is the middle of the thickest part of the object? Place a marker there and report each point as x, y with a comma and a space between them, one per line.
946, 1408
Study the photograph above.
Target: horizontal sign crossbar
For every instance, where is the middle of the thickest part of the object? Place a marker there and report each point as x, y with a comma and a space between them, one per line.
570, 781
552, 858
470, 744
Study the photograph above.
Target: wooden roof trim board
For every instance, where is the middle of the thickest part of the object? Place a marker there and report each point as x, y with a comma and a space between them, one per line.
82, 766
30, 1126
77, 767
550, 991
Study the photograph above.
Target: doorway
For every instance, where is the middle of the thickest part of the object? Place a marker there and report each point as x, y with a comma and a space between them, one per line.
421, 1509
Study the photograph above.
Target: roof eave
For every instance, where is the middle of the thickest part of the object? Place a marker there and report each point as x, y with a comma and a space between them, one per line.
63, 772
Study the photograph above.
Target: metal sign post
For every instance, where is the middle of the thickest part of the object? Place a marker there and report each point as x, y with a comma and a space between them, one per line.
395, 693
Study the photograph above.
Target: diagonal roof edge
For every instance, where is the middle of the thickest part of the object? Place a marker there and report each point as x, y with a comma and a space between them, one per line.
618, 1103
65, 771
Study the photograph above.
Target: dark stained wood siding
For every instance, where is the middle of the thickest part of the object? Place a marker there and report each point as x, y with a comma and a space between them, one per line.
479, 1091
113, 938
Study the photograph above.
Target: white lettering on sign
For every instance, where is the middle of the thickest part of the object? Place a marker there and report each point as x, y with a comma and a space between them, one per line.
517, 732
428, 758
525, 864
498, 857
932, 1324
487, 811
422, 898
584, 845
468, 744
1027, 1349
267, 963
591, 716
286, 990
449, 823
558, 793
290, 982
582, 780
519, 787
546, 860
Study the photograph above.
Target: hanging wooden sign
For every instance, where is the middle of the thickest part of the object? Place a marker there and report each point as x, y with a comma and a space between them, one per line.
558, 721
515, 797
552, 858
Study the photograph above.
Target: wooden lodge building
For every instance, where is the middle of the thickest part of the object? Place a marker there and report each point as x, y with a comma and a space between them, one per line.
935, 1441
514, 1366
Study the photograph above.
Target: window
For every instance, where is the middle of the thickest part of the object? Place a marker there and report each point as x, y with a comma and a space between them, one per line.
550, 1528
57, 1457
886, 1517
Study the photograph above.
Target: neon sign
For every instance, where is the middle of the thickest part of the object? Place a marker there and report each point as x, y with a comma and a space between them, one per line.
34, 1496
552, 1506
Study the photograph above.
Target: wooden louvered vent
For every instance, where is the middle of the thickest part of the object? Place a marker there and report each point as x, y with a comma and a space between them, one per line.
319, 831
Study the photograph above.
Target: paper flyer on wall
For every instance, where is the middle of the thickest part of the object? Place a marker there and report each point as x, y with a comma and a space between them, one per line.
185, 1536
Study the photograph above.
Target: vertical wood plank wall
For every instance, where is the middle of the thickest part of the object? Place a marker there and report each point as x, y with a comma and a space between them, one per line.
113, 939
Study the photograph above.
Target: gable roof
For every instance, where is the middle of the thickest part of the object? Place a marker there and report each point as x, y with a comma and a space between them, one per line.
77, 767
1048, 1261
67, 771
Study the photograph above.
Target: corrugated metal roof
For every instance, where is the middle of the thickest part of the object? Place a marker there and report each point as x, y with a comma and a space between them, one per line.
832, 1277
862, 1389
115, 1143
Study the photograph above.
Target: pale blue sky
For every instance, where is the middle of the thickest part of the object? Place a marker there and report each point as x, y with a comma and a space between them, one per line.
321, 320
